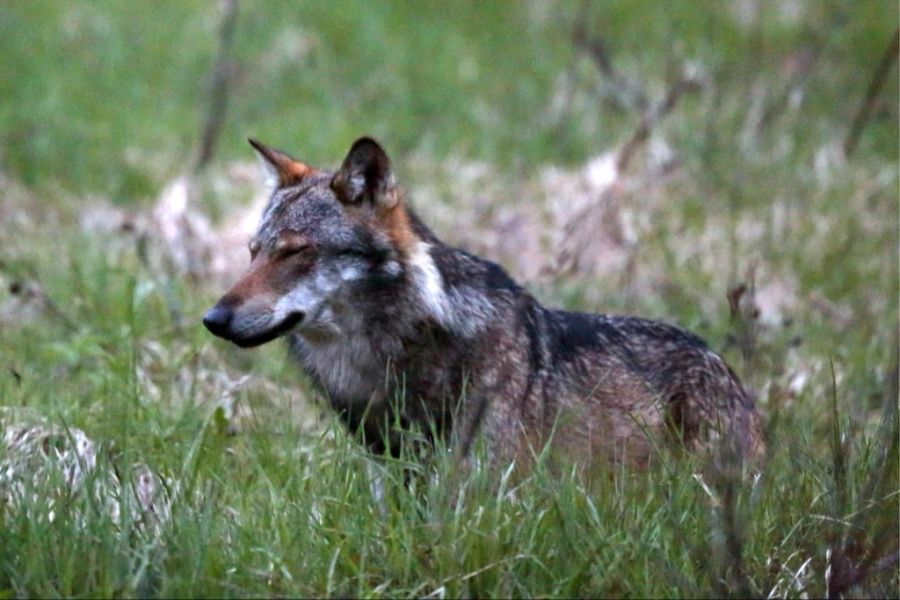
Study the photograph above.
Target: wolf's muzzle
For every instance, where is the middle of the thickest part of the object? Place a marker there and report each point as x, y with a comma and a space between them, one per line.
224, 322
217, 319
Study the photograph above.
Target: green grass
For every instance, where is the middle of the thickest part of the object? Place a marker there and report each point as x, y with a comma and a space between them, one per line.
101, 104
278, 511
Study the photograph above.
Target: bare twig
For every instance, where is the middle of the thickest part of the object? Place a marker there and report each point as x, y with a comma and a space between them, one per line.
221, 79
583, 223
803, 63
735, 570
726, 477
745, 318
33, 291
687, 83
889, 435
865, 109
626, 93
838, 451
562, 106
870, 544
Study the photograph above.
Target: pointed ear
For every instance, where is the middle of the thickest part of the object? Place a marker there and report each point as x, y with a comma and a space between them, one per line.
281, 169
366, 176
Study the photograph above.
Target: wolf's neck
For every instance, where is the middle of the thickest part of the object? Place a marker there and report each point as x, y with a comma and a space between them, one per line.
462, 309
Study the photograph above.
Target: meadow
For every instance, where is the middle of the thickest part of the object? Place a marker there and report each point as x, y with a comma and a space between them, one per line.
728, 167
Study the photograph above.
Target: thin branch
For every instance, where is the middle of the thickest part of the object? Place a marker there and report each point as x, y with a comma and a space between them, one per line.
626, 93
735, 569
687, 83
805, 62
854, 559
585, 219
221, 80
745, 318
34, 291
865, 109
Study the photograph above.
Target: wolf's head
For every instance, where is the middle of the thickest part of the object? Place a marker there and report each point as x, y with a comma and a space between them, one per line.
326, 239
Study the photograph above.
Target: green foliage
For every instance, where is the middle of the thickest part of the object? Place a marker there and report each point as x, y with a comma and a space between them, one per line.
106, 99
277, 511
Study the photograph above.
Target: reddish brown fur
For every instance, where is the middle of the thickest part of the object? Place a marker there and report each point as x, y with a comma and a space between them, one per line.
399, 228
290, 170
264, 283
294, 172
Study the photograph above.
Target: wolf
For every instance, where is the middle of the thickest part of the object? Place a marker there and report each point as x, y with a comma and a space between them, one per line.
410, 338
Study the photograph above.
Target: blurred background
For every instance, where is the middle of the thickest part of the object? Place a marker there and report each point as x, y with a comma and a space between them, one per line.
110, 97
729, 166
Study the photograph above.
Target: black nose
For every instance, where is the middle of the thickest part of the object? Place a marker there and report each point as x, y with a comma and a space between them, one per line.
217, 320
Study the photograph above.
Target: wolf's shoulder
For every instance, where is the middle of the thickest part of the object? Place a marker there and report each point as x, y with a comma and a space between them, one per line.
460, 268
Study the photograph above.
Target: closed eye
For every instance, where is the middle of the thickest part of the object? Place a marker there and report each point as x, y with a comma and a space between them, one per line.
291, 250
370, 255
354, 254
290, 243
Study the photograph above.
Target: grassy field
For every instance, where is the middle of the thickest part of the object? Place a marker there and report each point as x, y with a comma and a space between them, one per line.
142, 457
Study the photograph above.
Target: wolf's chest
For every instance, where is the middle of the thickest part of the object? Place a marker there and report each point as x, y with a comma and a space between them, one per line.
347, 367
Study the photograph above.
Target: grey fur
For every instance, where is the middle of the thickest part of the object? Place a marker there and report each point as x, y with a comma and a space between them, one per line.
436, 340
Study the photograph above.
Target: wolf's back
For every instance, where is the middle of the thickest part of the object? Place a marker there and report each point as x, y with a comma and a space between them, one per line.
664, 374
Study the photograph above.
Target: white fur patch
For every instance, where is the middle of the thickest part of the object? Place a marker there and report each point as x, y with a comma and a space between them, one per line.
464, 310
336, 350
429, 283
305, 297
345, 363
393, 268
356, 185
312, 294
272, 177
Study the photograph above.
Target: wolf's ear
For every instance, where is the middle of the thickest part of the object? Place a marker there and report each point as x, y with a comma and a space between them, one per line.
281, 169
366, 175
